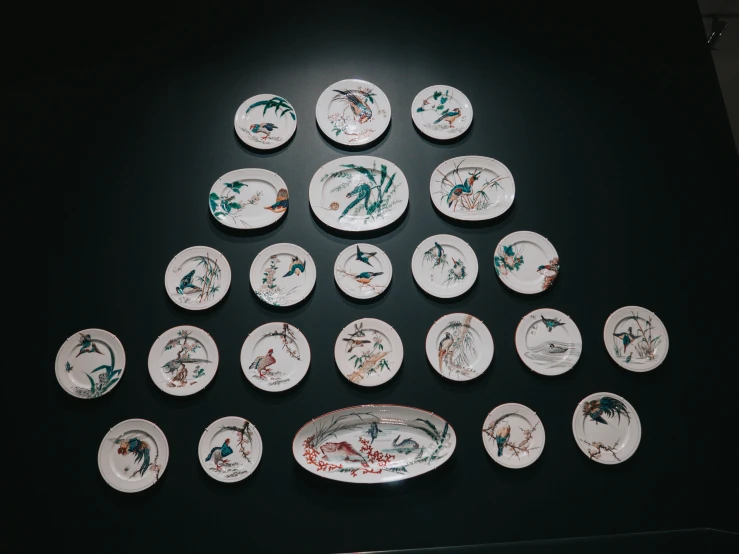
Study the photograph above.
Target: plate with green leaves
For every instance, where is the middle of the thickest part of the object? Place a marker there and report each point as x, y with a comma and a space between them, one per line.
353, 112
368, 352
248, 198
265, 121
526, 262
197, 278
441, 112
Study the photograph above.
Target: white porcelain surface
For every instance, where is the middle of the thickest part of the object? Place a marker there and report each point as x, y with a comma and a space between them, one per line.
636, 339
230, 449
90, 363
363, 271
183, 360
248, 198
282, 274
526, 262
275, 356
368, 352
265, 121
197, 278
353, 112
513, 435
444, 266
548, 341
606, 428
459, 347
441, 112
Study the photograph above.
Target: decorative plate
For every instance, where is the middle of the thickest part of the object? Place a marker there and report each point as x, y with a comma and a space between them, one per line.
197, 278
606, 428
374, 443
363, 271
548, 342
282, 274
358, 193
513, 435
636, 338
183, 360
526, 262
275, 357
265, 121
230, 449
248, 198
444, 266
441, 112
90, 363
459, 347
353, 112
133, 455
368, 352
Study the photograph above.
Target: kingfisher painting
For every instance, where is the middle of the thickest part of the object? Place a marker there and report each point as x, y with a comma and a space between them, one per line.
550, 272
264, 129
296, 267
626, 337
359, 107
281, 203
462, 189
362, 192
551, 323
186, 283
364, 257
140, 450
449, 116
606, 405
502, 436
87, 345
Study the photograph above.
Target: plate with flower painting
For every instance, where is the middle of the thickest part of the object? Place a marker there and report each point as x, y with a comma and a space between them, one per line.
606, 428
548, 341
526, 262
363, 271
441, 112
636, 339
353, 112
248, 198
444, 266
282, 274
265, 121
368, 352
275, 357
197, 278
90, 363
513, 435
459, 347
230, 449
133, 455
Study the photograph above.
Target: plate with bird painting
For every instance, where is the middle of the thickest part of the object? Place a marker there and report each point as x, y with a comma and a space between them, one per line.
275, 357
606, 427
526, 262
197, 278
282, 274
444, 266
363, 271
636, 338
353, 112
265, 121
548, 342
513, 435
90, 363
459, 347
368, 352
441, 112
230, 449
248, 198
133, 455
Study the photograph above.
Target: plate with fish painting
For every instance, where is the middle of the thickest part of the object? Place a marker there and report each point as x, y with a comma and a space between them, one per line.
230, 449
353, 112
459, 347
526, 262
375, 443
363, 271
275, 357
282, 274
90, 363
606, 428
441, 112
548, 341
513, 435
636, 339
368, 352
265, 121
197, 278
133, 455
248, 198
444, 266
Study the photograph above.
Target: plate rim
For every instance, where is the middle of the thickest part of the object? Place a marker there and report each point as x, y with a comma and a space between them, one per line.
631, 368
438, 136
389, 272
308, 257
522, 358
257, 169
464, 288
428, 338
337, 344
506, 281
226, 277
256, 145
256, 463
543, 436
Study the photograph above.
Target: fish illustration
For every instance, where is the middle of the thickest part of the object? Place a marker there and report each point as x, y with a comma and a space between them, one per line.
342, 451
373, 431
406, 445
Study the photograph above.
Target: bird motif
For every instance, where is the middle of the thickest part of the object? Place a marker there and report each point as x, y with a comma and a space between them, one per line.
628, 358
355, 343
595, 409
362, 192
140, 449
219, 454
261, 363
358, 330
264, 128
627, 337
172, 365
439, 250
552, 268
551, 323
186, 283
462, 189
86, 345
359, 108
502, 435
449, 116
280, 204
458, 269
366, 276
556, 349
296, 267
444, 345
364, 257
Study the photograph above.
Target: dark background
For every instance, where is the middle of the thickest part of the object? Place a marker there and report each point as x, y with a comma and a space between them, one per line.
615, 132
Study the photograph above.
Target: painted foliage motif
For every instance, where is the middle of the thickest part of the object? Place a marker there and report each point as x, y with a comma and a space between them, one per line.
199, 284
352, 110
278, 288
451, 270
463, 193
218, 460
635, 341
440, 111
510, 259
107, 376
186, 365
547, 342
599, 412
515, 439
267, 131
365, 351
458, 348
266, 367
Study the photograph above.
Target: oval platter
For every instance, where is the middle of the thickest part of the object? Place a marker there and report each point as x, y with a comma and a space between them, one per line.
353, 112
444, 266
282, 274
368, 352
636, 339
526, 262
197, 278
363, 271
275, 357
248, 198
265, 121
441, 112
230, 449
459, 347
548, 342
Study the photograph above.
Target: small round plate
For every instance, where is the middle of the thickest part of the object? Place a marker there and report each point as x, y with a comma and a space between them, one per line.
526, 262
133, 455
230, 449
441, 112
265, 121
368, 352
444, 266
353, 112
90, 363
197, 278
606, 428
636, 338
282, 274
513, 435
275, 357
248, 198
548, 342
459, 347
363, 271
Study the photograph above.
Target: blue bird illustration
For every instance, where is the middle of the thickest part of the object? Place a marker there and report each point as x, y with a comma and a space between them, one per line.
296, 267
86, 345
359, 108
140, 449
373, 431
444, 345
627, 337
219, 454
172, 365
439, 250
68, 367
366, 276
281, 203
264, 128
365, 256
186, 283
362, 192
502, 435
449, 116
595, 409
551, 323
463, 189
628, 358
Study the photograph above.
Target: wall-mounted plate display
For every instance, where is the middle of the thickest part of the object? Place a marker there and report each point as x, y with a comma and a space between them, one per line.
513, 435
526, 262
459, 347
248, 198
444, 266
197, 278
90, 363
606, 428
363, 271
548, 341
353, 112
183, 360
441, 112
230, 449
265, 121
636, 339
368, 352
282, 274
275, 357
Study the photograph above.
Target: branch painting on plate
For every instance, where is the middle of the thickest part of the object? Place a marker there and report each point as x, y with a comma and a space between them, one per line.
200, 284
437, 257
262, 367
272, 291
219, 454
457, 347
508, 258
635, 339
177, 367
443, 115
262, 132
140, 450
500, 432
459, 192
357, 107
108, 375
226, 205
369, 355
594, 411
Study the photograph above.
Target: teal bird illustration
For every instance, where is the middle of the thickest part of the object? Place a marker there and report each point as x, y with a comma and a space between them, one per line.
281, 203
444, 345
68, 367
140, 449
219, 454
365, 256
627, 337
358, 330
439, 250
628, 358
366, 276
264, 128
359, 108
296, 267
463, 189
551, 323
606, 405
362, 192
502, 435
449, 116
86, 345
186, 283
172, 365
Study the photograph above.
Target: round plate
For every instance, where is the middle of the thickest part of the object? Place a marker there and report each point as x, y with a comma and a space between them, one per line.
248, 198
133, 455
636, 338
459, 347
230, 449
368, 352
265, 121
363, 271
197, 278
513, 435
441, 112
282, 274
526, 262
90, 363
183, 360
606, 428
548, 342
444, 266
353, 112
275, 357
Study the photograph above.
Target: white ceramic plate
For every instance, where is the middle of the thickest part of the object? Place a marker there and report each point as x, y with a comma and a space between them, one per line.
265, 121
444, 266
526, 262
374, 443
636, 338
282, 274
513, 435
606, 428
230, 449
275, 357
368, 352
459, 347
90, 363
548, 341
441, 112
363, 271
133, 455
353, 112
248, 198
183, 360
197, 278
